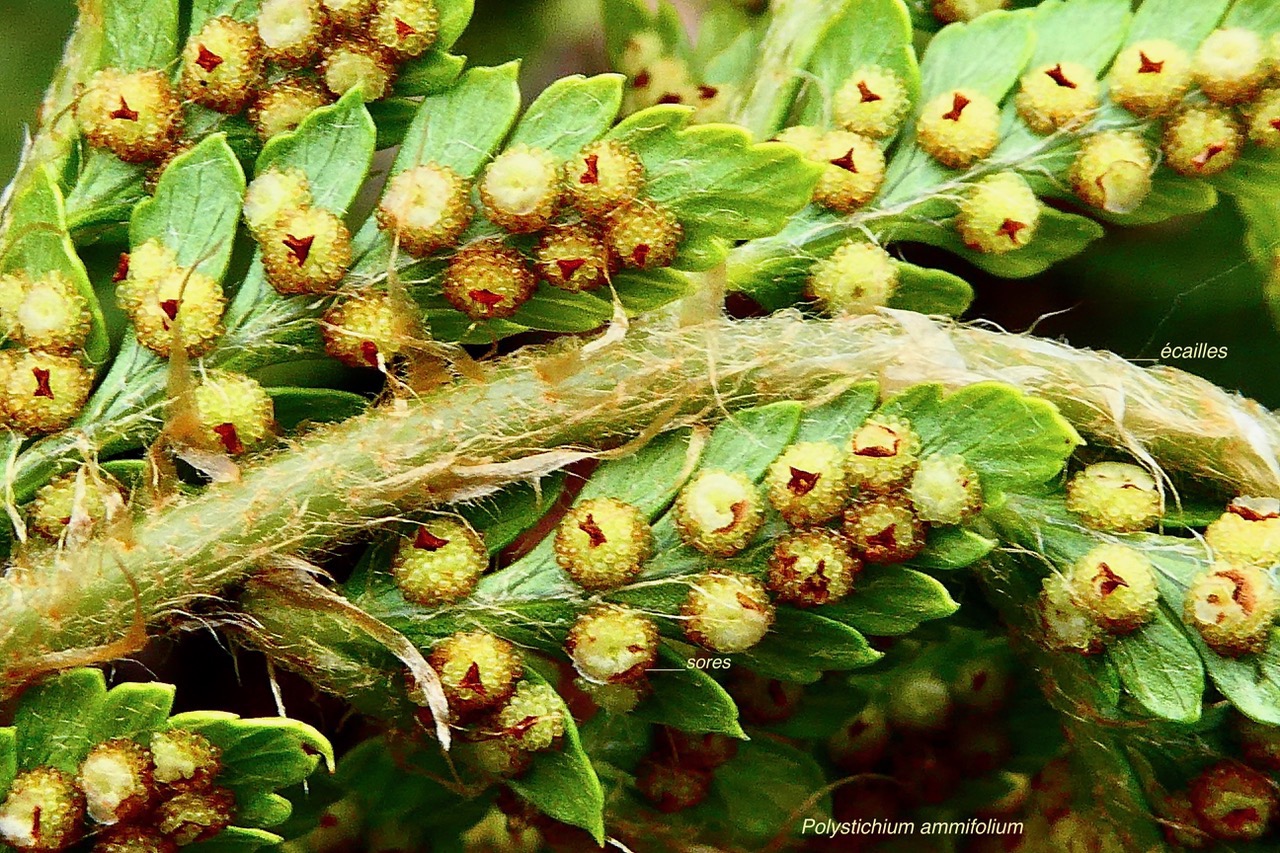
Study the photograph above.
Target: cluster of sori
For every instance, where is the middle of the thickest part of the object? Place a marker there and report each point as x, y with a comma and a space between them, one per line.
871, 501
124, 798
1206, 106
44, 375
934, 728
657, 75
1230, 799
571, 224
293, 58
1233, 602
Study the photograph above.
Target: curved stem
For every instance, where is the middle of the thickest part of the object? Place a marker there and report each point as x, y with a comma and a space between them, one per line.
524, 416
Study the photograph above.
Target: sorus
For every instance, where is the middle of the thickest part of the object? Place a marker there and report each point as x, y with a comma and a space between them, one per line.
1112, 171
1201, 141
135, 115
812, 567
162, 299
884, 528
441, 562
86, 496
1057, 96
670, 788
305, 250
1067, 626
959, 128
718, 512
426, 208
521, 189
477, 670
292, 30
1000, 213
406, 28
727, 612
602, 543
601, 176
47, 313
234, 411
573, 257
1248, 532
1231, 65
533, 718
612, 644
348, 14
488, 279
44, 811
808, 484
222, 65
1150, 78
857, 278
195, 816
883, 453
357, 64
42, 392
945, 490
854, 170
1264, 120
1233, 802
643, 235
1117, 585
873, 102
367, 328
1233, 607
116, 777
185, 760
1115, 496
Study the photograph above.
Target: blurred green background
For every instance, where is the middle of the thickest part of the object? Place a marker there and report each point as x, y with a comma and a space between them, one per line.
1180, 283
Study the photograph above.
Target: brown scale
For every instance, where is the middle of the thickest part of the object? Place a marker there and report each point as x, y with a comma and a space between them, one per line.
124, 112
1108, 581
1149, 66
122, 269
589, 526
299, 247
208, 60
229, 437
1057, 75
428, 541
958, 103
42, 383
802, 482
846, 162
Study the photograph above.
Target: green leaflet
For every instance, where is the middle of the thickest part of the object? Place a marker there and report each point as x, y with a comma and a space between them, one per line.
37, 241
802, 645
1060, 236
625, 19
502, 518
931, 291
455, 15
839, 419
106, 188
333, 146
1088, 32
989, 55
889, 601
295, 407
562, 783
746, 443
131, 47
866, 32
461, 127
953, 548
687, 699
759, 812
8, 757
719, 184
1254, 184
203, 10
1261, 16
1015, 442
57, 722
1159, 667
195, 209
1184, 24
570, 113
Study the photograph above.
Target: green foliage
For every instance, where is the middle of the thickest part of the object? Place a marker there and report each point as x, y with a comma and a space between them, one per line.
57, 723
